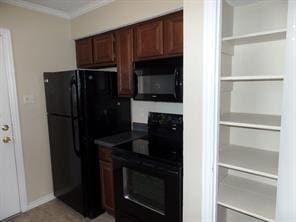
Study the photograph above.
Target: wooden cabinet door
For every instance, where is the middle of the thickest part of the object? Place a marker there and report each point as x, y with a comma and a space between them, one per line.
173, 34
106, 172
149, 40
103, 49
84, 53
124, 51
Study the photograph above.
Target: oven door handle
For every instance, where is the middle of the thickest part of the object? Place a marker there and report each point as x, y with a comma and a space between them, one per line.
126, 160
160, 168
142, 164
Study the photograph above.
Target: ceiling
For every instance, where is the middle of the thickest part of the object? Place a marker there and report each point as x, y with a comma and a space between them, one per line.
63, 8
72, 8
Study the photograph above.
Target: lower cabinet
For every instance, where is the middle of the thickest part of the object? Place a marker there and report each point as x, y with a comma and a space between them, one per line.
106, 176
106, 173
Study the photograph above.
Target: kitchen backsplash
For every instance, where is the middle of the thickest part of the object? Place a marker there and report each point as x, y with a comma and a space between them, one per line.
140, 109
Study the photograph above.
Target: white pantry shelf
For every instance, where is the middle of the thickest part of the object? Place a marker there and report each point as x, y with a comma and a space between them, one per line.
248, 197
253, 121
249, 160
257, 37
251, 78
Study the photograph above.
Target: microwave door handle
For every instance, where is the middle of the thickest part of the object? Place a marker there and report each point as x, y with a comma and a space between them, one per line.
176, 74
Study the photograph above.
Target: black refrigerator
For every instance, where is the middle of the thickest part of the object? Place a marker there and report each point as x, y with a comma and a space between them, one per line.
82, 105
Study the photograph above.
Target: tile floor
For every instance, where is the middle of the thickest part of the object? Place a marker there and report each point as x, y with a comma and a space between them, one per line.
56, 211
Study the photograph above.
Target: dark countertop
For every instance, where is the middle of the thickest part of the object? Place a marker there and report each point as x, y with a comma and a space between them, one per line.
117, 139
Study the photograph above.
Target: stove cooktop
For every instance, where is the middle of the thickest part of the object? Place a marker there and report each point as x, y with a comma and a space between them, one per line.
164, 142
159, 149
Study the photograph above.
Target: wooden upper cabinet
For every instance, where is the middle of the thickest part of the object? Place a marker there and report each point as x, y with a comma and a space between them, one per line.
162, 37
173, 34
84, 53
149, 39
103, 49
124, 51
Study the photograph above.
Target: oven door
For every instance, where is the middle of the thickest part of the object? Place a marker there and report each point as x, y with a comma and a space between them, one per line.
147, 190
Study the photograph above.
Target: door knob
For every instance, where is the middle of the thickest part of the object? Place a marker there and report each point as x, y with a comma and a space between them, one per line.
5, 127
6, 139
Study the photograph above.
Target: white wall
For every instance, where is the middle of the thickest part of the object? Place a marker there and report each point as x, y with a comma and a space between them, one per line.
262, 16
192, 110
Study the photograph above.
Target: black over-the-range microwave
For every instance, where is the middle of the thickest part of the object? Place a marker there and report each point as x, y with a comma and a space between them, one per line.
159, 80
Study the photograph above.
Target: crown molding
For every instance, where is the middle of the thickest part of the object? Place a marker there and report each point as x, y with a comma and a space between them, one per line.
237, 3
50, 11
89, 7
36, 7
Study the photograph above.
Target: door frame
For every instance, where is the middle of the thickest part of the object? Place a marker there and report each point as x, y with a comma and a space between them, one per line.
211, 84
286, 193
15, 117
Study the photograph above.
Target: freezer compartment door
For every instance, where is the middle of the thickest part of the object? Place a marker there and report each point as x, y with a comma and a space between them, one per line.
61, 93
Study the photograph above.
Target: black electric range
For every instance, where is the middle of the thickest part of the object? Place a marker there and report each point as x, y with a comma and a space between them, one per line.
148, 173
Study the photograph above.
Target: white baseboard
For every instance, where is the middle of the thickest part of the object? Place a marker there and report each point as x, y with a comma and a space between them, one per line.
40, 201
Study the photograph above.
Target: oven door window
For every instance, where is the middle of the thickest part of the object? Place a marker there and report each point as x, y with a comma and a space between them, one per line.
144, 190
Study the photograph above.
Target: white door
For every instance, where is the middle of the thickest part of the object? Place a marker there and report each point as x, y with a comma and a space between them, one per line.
9, 193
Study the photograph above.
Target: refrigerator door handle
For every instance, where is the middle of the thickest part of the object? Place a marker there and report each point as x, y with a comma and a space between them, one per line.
73, 118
